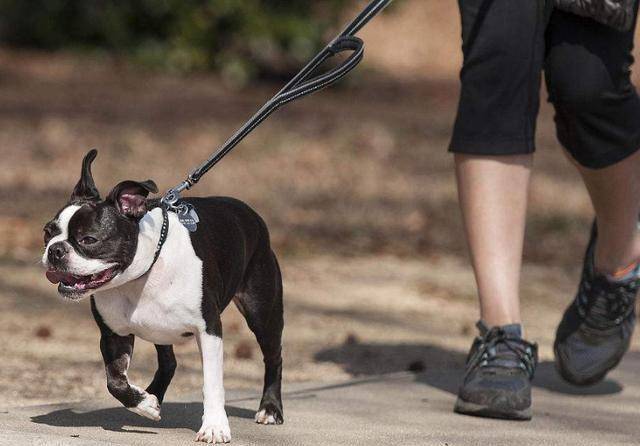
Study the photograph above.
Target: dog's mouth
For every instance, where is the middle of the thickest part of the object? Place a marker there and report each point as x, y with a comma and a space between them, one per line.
73, 284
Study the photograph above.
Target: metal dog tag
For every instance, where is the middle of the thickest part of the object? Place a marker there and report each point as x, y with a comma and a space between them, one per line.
188, 216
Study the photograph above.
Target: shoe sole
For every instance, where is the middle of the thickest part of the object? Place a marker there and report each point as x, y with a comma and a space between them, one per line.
479, 410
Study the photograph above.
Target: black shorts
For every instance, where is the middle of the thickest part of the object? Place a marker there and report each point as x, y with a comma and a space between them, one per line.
506, 44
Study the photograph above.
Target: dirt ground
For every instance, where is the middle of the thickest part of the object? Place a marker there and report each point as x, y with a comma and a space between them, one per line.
354, 183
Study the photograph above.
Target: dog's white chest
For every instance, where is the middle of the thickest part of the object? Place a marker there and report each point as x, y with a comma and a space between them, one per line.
163, 305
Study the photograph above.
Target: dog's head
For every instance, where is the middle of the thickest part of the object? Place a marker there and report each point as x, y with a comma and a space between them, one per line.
90, 241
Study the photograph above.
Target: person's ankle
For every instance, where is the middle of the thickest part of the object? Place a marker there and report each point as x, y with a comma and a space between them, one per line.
631, 271
498, 320
617, 269
615, 265
513, 328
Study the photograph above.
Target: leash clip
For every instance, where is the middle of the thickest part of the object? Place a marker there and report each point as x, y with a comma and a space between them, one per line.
172, 202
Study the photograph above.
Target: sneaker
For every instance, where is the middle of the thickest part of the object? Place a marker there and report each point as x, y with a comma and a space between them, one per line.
499, 369
596, 329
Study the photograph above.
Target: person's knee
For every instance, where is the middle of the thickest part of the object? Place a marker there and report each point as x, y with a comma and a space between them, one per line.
578, 94
582, 79
596, 105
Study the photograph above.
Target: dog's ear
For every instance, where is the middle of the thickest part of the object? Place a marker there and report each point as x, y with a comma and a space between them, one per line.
130, 197
86, 190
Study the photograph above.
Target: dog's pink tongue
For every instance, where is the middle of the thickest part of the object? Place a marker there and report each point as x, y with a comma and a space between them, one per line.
54, 276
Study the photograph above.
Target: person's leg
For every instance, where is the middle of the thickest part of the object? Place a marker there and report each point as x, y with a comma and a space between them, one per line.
597, 113
493, 142
492, 193
493, 139
615, 194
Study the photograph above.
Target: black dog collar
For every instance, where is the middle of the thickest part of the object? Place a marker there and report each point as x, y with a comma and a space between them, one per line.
164, 231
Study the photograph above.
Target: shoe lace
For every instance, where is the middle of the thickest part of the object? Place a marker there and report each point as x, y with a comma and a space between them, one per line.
603, 304
499, 349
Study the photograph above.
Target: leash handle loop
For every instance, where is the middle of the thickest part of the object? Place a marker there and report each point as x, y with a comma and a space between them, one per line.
341, 44
294, 90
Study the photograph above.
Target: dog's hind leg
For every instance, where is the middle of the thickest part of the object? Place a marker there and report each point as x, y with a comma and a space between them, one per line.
260, 302
164, 374
117, 352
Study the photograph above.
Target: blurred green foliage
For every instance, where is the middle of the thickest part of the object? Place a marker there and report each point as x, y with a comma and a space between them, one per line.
239, 38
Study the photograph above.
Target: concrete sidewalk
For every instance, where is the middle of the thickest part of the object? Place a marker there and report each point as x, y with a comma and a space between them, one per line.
402, 409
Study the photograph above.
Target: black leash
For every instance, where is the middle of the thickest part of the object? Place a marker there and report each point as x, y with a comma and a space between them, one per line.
301, 85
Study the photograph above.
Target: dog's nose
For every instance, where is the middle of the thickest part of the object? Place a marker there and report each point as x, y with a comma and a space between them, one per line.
57, 251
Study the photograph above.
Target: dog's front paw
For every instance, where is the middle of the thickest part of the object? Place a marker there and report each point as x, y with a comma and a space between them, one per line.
215, 430
149, 407
269, 414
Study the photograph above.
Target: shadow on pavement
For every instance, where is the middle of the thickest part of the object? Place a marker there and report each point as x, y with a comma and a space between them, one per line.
174, 416
439, 367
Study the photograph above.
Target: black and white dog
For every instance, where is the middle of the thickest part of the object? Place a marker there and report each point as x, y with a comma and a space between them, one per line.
107, 249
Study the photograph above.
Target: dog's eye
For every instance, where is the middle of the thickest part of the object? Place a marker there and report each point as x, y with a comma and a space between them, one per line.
47, 235
88, 240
